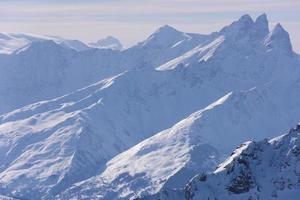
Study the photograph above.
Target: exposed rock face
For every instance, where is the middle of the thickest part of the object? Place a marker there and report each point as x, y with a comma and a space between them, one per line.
255, 170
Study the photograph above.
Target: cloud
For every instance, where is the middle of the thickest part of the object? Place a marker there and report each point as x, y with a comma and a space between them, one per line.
119, 9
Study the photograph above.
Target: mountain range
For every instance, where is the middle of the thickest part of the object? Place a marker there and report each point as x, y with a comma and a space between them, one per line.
142, 122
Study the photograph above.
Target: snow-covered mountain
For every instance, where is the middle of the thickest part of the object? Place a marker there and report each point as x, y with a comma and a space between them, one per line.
44, 69
47, 147
38, 72
165, 44
109, 42
11, 42
255, 170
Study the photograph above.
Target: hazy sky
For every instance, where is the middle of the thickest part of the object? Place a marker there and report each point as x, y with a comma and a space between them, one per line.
132, 20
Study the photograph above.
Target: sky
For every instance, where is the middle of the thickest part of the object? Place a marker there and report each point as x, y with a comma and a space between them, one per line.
133, 20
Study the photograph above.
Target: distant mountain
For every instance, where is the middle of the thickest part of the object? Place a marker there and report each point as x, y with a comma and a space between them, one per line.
102, 141
74, 44
44, 69
108, 43
11, 42
255, 170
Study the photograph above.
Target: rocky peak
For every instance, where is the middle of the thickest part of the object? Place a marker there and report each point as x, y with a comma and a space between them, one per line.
279, 39
262, 24
245, 20
163, 37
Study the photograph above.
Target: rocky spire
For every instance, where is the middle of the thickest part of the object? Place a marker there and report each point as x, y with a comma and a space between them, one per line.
262, 24
279, 38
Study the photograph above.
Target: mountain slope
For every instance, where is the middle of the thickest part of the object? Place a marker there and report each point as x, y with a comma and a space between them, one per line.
196, 144
255, 170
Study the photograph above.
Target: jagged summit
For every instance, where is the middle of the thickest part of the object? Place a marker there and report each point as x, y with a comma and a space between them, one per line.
246, 27
279, 39
241, 37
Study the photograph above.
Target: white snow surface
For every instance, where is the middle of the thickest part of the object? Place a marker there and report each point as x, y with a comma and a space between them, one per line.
48, 146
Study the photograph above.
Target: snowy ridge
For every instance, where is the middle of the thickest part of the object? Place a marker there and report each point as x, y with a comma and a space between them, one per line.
255, 170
